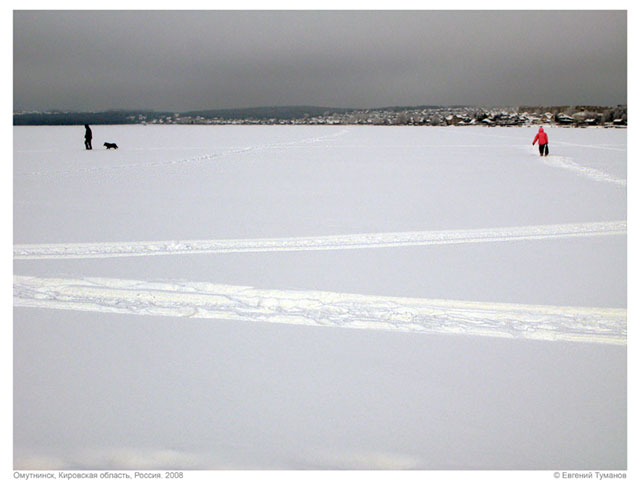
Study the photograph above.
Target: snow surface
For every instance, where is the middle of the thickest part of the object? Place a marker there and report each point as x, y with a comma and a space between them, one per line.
132, 268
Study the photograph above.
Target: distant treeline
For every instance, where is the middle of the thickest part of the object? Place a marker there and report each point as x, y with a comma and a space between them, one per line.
111, 117
139, 116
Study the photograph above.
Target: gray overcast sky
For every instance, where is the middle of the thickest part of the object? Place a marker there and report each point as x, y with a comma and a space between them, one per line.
183, 60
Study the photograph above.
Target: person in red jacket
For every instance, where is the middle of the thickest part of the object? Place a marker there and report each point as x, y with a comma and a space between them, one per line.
543, 142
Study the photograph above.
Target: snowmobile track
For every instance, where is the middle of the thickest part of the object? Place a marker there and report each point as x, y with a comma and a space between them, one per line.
329, 242
319, 308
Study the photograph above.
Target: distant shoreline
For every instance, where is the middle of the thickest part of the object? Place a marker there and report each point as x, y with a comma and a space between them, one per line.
579, 116
604, 127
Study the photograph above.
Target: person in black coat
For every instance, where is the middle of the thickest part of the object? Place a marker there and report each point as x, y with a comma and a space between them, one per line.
87, 137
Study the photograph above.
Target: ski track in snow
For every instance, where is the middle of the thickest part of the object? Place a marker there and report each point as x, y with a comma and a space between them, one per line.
330, 242
589, 172
319, 308
195, 159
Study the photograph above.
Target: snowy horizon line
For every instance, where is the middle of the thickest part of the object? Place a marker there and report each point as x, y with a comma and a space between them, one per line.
286, 106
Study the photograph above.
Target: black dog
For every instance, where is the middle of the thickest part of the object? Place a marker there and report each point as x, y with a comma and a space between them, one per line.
110, 145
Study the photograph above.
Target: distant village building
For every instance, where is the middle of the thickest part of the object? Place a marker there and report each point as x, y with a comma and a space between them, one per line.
563, 119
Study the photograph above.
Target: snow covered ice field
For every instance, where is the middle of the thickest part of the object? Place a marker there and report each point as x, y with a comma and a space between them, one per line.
168, 298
